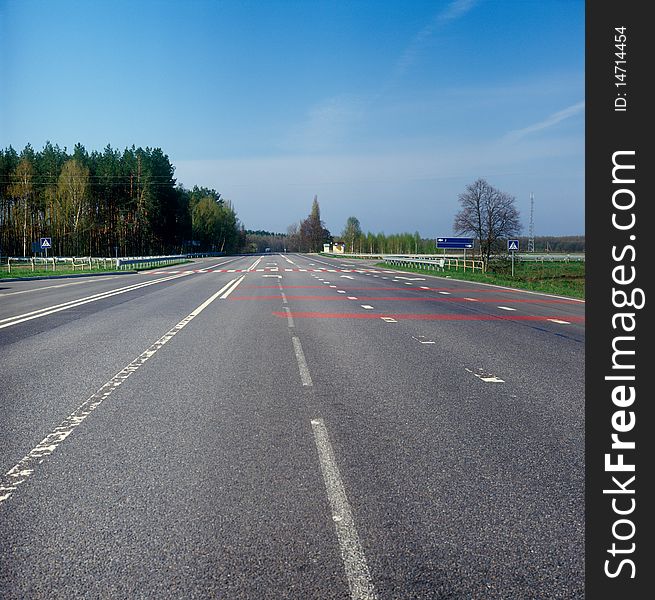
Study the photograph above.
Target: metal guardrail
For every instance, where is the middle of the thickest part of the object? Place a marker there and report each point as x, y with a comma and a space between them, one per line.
51, 263
150, 261
91, 262
440, 263
542, 257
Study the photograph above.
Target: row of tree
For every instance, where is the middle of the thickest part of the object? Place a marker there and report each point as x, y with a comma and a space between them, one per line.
107, 203
128, 203
486, 214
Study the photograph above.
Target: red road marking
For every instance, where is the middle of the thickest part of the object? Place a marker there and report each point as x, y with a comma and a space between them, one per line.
424, 317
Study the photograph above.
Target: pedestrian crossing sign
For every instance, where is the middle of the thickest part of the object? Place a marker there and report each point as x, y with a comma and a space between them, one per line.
512, 245
46, 243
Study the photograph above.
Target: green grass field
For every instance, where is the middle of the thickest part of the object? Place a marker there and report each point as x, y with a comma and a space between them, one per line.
558, 278
26, 272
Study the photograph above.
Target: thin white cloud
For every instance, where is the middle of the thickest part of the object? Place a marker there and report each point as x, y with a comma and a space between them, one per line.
454, 10
554, 119
325, 124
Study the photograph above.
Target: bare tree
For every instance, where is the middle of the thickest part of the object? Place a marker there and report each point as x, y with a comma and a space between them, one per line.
489, 214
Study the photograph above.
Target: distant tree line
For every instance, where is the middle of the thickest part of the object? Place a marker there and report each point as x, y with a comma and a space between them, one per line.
570, 244
106, 203
310, 234
260, 240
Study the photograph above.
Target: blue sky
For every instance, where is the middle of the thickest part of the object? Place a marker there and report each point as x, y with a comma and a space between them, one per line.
384, 110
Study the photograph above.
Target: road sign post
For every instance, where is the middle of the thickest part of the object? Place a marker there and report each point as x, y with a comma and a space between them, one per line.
45, 244
512, 246
460, 243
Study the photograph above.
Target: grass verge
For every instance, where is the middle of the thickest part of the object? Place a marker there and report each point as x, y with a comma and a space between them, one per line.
558, 278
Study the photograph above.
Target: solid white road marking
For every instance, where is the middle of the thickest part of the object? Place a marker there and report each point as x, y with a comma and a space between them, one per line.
305, 377
42, 312
445, 293
559, 321
20, 472
506, 308
352, 297
253, 265
232, 286
341, 291
471, 299
367, 306
346, 276
389, 319
352, 554
289, 317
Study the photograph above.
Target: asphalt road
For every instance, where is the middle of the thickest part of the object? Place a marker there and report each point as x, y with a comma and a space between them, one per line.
289, 426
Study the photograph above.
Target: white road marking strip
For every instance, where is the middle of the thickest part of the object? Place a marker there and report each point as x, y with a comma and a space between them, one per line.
559, 321
421, 339
424, 287
410, 278
20, 472
253, 265
445, 293
333, 286
389, 319
273, 276
42, 312
341, 291
352, 297
367, 306
346, 276
471, 299
290, 322
232, 286
352, 554
305, 377
487, 377
506, 308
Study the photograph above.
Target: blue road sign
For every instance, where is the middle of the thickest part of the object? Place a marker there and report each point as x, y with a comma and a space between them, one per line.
46, 243
512, 245
454, 242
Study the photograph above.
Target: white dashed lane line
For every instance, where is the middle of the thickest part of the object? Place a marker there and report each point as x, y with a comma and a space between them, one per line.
352, 554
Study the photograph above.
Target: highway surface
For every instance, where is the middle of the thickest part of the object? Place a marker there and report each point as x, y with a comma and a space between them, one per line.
289, 426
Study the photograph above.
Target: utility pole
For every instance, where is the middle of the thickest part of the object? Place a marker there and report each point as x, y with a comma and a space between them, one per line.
531, 230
